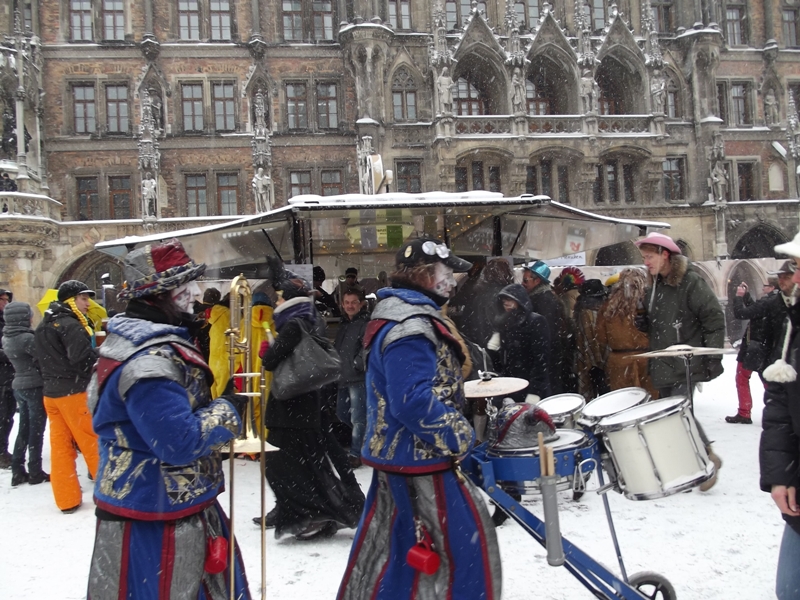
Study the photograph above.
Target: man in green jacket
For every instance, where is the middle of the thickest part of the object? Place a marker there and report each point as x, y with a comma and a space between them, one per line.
681, 309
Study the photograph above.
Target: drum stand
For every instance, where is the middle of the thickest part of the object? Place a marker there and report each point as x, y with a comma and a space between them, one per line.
593, 575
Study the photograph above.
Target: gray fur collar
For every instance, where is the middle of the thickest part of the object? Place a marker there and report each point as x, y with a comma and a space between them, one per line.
396, 309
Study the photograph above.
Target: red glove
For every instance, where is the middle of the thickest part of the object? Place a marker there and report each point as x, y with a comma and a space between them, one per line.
263, 349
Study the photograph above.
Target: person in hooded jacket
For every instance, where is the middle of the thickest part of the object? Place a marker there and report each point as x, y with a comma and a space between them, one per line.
7, 403
161, 532
779, 449
20, 347
524, 342
312, 500
64, 346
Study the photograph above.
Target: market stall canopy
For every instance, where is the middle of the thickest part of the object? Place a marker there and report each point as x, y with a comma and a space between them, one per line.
365, 231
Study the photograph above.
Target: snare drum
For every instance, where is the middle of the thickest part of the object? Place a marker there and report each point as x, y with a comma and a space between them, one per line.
518, 470
656, 449
564, 409
611, 404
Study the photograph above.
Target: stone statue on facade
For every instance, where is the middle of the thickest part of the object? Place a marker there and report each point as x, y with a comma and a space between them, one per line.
588, 92
719, 181
156, 111
518, 93
262, 191
771, 112
444, 85
149, 196
658, 90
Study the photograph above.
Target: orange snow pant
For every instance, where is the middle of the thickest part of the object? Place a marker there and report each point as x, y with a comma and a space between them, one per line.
70, 423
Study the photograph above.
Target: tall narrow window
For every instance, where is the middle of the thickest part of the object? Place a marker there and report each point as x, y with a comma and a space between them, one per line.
80, 20
546, 177
462, 179
228, 194
451, 15
117, 108
789, 21
224, 119
327, 103
735, 25
611, 181
27, 17
494, 179
189, 19
533, 13
292, 20
322, 19
563, 184
88, 199
672, 178
196, 203
598, 15
192, 100
673, 101
119, 196
538, 102
400, 14
220, 17
740, 104
662, 15
629, 183
722, 102
299, 183
83, 107
332, 183
408, 177
113, 20
532, 180
469, 101
746, 176
477, 175
297, 107
404, 96
597, 185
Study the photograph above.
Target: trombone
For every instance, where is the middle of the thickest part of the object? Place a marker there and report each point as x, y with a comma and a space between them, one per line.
239, 346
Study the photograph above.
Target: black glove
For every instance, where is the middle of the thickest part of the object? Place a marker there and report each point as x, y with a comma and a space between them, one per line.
715, 368
229, 394
642, 323
230, 388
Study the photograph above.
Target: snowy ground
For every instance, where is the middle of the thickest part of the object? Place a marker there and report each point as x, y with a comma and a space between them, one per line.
717, 545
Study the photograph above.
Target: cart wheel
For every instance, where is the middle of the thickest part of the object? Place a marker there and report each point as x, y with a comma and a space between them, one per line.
652, 586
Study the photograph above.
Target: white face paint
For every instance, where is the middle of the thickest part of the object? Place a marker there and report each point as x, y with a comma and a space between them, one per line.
443, 280
185, 295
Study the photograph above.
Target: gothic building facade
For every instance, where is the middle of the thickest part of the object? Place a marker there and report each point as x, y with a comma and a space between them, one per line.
158, 114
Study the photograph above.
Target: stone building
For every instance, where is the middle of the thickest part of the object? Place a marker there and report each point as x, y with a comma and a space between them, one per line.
150, 115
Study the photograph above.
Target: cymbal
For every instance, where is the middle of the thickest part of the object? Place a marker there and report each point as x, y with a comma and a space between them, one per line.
684, 350
497, 386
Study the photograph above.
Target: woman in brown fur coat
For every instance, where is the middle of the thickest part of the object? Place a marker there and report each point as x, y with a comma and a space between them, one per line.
617, 332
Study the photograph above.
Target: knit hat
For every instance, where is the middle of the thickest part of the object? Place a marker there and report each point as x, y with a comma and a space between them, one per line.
350, 271
4, 292
153, 270
425, 251
73, 287
540, 269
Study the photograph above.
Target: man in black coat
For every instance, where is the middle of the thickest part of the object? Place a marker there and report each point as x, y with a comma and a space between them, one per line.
760, 344
351, 404
536, 281
779, 451
524, 343
7, 403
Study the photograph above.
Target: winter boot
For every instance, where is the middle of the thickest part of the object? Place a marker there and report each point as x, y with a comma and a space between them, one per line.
737, 418
271, 519
707, 485
5, 460
19, 477
38, 478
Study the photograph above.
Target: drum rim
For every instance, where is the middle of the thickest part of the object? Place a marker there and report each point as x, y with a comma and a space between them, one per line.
647, 398
664, 412
560, 396
533, 451
687, 485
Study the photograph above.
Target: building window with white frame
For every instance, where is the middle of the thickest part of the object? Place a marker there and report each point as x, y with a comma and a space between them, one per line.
332, 184
224, 105
189, 20
404, 96
672, 170
322, 20
117, 109
741, 107
84, 110
80, 20
789, 25
299, 183
327, 106
192, 104
228, 194
220, 19
400, 14
196, 202
736, 23
113, 20
297, 106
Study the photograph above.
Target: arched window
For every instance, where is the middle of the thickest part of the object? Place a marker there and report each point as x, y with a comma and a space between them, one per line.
404, 96
673, 107
469, 100
537, 100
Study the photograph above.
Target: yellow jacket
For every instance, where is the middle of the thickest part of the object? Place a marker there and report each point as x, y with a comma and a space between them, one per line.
259, 317
218, 360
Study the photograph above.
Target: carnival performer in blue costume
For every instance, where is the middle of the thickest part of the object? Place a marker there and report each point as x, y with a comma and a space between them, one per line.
415, 437
161, 533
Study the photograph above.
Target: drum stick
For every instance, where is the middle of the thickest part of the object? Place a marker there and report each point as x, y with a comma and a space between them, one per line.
551, 461
542, 455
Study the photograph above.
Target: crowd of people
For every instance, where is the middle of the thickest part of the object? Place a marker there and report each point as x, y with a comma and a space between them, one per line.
405, 344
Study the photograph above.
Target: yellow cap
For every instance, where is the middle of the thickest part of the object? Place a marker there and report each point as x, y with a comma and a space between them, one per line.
612, 280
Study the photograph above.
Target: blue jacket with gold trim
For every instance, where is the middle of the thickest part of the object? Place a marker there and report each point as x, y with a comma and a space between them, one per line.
414, 387
159, 430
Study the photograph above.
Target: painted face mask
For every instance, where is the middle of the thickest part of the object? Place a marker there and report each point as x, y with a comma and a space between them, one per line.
444, 282
184, 296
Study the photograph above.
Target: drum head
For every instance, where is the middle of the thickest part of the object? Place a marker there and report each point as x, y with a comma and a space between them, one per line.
562, 404
563, 439
614, 402
643, 412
